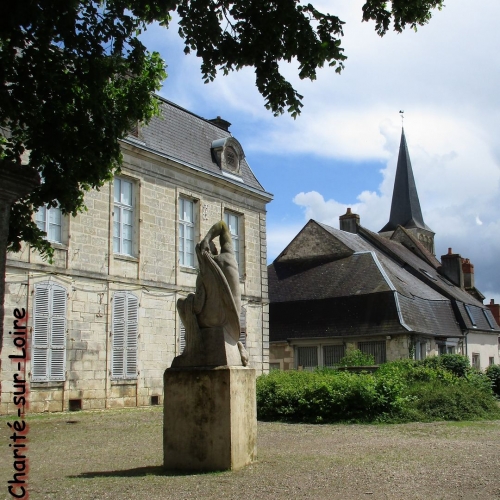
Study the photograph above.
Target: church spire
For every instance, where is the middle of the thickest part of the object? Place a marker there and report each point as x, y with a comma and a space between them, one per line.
405, 208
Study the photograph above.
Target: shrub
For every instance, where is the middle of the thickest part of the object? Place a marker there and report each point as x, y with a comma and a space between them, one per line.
493, 374
455, 363
399, 391
325, 396
354, 357
459, 401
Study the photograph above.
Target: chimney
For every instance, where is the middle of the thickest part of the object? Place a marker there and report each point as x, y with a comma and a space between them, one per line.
468, 270
451, 267
221, 123
495, 310
349, 222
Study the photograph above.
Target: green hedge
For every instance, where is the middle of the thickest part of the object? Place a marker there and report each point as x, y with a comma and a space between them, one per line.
399, 391
493, 374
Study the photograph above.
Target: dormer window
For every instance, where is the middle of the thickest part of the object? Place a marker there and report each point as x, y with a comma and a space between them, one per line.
228, 154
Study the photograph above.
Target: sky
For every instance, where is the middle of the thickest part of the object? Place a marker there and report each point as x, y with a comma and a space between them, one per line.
342, 150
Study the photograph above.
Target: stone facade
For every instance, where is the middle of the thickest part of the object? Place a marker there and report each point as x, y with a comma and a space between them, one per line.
91, 274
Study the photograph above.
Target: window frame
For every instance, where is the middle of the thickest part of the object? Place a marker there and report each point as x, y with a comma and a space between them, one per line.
119, 208
48, 360
238, 238
476, 360
186, 250
124, 336
47, 224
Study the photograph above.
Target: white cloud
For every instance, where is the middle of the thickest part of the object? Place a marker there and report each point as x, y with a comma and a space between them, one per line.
445, 77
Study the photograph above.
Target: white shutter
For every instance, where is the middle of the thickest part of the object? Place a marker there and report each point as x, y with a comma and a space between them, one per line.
125, 331
41, 320
182, 338
117, 359
243, 327
132, 331
49, 332
58, 333
39, 363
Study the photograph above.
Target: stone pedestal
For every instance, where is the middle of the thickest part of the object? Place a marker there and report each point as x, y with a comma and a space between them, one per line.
210, 418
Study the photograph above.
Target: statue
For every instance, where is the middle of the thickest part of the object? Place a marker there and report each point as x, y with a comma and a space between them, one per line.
211, 316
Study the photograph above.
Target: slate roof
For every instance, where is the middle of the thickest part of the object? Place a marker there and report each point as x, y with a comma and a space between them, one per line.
320, 297
187, 138
405, 207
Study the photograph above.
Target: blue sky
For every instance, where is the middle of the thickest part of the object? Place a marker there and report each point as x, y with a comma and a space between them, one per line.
341, 152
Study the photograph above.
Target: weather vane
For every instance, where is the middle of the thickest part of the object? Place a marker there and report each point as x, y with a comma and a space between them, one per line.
402, 117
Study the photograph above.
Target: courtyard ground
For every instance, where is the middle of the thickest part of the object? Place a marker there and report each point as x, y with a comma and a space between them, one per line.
118, 455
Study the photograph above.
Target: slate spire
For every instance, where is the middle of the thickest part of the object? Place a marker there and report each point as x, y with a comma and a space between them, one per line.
405, 208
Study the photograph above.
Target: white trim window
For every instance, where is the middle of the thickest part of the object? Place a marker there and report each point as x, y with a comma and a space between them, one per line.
186, 232
49, 220
235, 224
125, 332
123, 219
49, 332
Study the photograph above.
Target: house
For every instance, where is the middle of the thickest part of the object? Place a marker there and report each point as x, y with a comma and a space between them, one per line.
383, 293
102, 318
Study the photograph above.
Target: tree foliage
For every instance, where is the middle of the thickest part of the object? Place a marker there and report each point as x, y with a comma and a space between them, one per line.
74, 76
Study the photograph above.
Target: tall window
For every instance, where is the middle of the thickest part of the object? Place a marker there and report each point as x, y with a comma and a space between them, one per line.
49, 332
123, 216
125, 330
234, 223
186, 232
49, 219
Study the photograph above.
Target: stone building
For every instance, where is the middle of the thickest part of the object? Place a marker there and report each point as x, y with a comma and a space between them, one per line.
102, 317
386, 294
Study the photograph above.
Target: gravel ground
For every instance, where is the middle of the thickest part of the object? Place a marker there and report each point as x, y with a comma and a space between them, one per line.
118, 455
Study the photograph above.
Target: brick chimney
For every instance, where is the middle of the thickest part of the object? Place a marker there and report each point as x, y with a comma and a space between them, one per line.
451, 267
468, 270
495, 310
349, 222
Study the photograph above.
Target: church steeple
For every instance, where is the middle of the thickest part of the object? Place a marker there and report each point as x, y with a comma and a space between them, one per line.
405, 208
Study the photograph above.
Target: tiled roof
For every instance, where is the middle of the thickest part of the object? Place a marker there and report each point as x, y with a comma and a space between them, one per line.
187, 138
377, 273
372, 314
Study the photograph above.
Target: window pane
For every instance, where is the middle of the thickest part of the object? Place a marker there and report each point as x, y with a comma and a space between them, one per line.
126, 193
186, 210
127, 247
40, 218
54, 233
55, 215
127, 217
116, 245
127, 232
117, 184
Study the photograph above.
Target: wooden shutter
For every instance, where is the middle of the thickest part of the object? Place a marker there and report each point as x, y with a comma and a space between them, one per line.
49, 332
125, 331
131, 337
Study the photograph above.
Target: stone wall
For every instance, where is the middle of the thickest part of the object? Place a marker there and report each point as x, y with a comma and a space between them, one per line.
86, 267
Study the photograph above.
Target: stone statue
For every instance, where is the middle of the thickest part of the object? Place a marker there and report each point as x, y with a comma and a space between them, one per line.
211, 316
